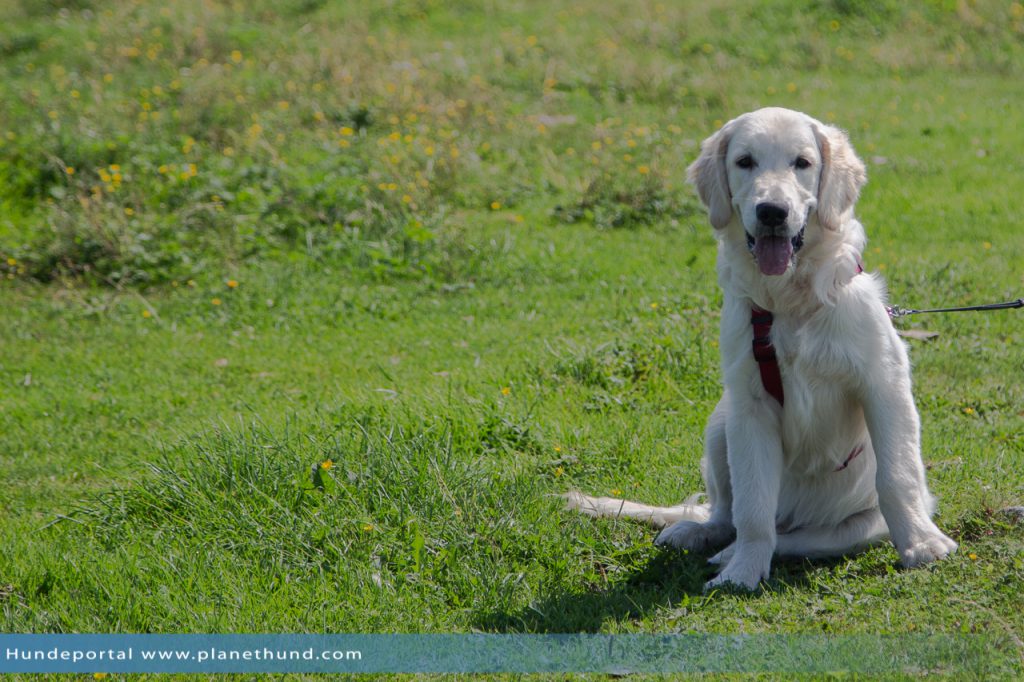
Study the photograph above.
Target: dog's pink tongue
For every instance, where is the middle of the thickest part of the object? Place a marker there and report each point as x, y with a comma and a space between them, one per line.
773, 254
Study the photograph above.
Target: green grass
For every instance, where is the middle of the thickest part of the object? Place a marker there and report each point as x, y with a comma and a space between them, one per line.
449, 248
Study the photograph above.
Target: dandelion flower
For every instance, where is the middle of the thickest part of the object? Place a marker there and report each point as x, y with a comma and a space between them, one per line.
231, 283
495, 205
505, 390
327, 464
215, 301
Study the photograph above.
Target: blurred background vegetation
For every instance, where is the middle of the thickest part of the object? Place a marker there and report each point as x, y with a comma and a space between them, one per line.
147, 142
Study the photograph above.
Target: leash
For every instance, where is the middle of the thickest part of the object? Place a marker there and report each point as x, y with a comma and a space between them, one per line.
895, 311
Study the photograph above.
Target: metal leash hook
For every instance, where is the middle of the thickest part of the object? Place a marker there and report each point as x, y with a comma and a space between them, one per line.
896, 311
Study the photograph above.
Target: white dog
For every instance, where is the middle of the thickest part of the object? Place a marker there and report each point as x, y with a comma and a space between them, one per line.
814, 447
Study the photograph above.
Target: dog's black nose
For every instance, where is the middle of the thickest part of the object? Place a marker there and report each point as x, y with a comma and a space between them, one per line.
771, 215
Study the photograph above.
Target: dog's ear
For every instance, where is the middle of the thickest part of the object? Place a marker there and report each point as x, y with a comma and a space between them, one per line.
842, 176
708, 175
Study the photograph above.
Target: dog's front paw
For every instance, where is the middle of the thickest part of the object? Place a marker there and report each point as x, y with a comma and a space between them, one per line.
746, 569
696, 537
932, 548
744, 578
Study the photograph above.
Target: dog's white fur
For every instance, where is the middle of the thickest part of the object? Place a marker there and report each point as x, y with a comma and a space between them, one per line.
771, 471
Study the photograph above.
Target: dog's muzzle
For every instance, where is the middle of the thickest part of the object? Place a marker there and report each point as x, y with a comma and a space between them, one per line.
772, 246
774, 252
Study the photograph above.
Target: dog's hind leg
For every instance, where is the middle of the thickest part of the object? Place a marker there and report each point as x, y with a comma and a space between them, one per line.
717, 529
856, 533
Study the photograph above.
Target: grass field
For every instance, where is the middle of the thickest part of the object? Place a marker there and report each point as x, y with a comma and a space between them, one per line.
309, 309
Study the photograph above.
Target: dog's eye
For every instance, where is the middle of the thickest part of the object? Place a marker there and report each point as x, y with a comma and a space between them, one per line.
802, 162
746, 162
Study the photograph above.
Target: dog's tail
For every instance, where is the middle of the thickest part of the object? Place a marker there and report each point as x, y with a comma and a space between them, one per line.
659, 517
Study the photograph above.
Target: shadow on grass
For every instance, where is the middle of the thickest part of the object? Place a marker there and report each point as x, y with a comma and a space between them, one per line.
668, 580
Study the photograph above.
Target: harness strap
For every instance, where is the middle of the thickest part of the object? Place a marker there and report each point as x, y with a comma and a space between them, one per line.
764, 353
849, 458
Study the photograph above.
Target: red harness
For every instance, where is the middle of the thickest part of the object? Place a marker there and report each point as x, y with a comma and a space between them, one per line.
764, 353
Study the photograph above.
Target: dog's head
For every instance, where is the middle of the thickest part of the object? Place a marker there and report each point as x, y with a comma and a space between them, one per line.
777, 171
